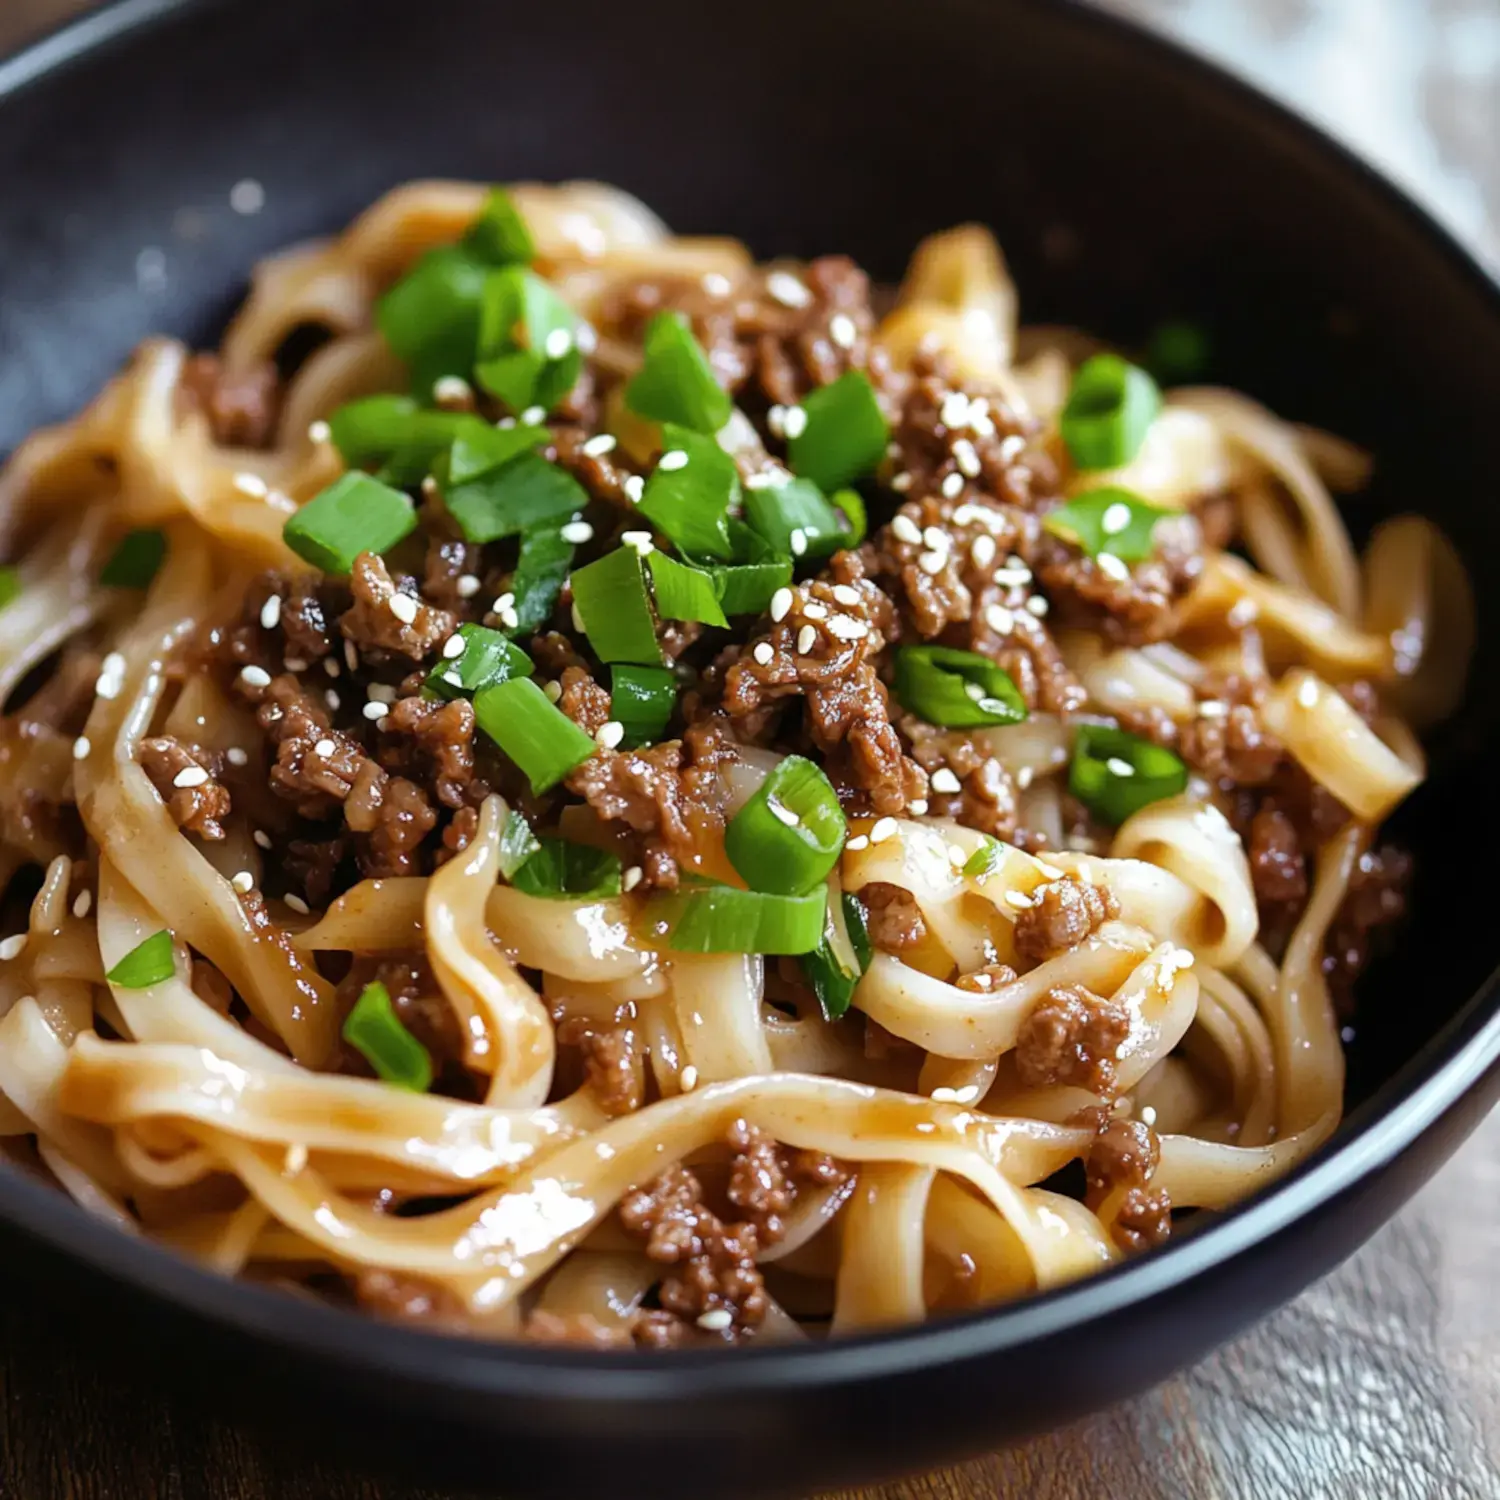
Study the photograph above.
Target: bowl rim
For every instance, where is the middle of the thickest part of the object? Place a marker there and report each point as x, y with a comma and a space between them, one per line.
1400, 1111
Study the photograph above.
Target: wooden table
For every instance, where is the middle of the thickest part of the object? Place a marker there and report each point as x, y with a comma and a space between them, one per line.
1383, 1381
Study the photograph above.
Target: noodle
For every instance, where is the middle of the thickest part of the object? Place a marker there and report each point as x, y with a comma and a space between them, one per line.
447, 928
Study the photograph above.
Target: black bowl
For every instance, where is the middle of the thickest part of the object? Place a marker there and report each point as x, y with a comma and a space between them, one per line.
1128, 182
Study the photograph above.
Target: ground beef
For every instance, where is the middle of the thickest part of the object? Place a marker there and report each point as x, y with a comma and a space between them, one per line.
449, 561
601, 474
1375, 900
614, 1066
1232, 746
1278, 867
400, 817
304, 619
1071, 1039
241, 406
311, 867
988, 979
417, 999
1125, 1153
576, 1331
372, 626
893, 919
198, 809
1063, 914
986, 798
583, 700
394, 1294
433, 741
316, 767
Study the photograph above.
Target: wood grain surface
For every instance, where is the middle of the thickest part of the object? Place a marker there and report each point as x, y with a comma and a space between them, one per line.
1384, 1380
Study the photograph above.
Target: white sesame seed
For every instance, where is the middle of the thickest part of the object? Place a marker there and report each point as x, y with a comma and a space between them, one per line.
901, 483
1024, 777
1115, 519
787, 290
296, 903
917, 808
454, 647
943, 780
1112, 567
330, 666
884, 829
845, 593
189, 777
381, 692
325, 747
557, 343
502, 603
1119, 767
688, 1081
1307, 693
847, 628
331, 698
112, 676
534, 416
319, 432
954, 411
586, 339
453, 390
467, 586
1050, 871
672, 461
957, 857
294, 1160
294, 664
639, 541
351, 652
936, 538
262, 838
842, 331
781, 604
966, 457
243, 882
375, 711
12, 946
932, 563
1213, 708
253, 485
632, 878
716, 285
236, 757
815, 611
763, 653
270, 613
715, 1320
794, 424
776, 420
973, 692
577, 532
858, 842
552, 691
953, 486
798, 541
81, 747
404, 607
82, 902
1242, 614
1148, 1115
1019, 900
1012, 448
1037, 606
806, 639
609, 734
598, 445
506, 424
904, 529
783, 814
982, 551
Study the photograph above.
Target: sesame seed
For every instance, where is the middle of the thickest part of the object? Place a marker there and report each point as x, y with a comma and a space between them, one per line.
1148, 1115
943, 780
502, 603
1213, 708
763, 653
112, 676
236, 757
846, 628
1119, 767
1037, 606
598, 445
557, 343
640, 541
1012, 448
81, 747
82, 902
577, 532
294, 664
774, 478
781, 604
1112, 567
453, 390
953, 486
1050, 871
716, 285
858, 842
296, 903
983, 980
906, 530
632, 878
982, 551
799, 541
1115, 519
918, 808
270, 613
331, 698
262, 838
676, 459
381, 692
404, 607
901, 483
806, 639
330, 666
253, 485
552, 691
842, 331
794, 423
783, 814
716, 1319
189, 777
955, 410
319, 432
1019, 900
966, 457
815, 611
243, 882
936, 538
351, 654
325, 747
932, 563
294, 1160
534, 416
12, 946
454, 647
845, 593
776, 420
586, 339
957, 857
1307, 693
467, 586
787, 290
609, 734
973, 692
1243, 613
884, 829
1024, 777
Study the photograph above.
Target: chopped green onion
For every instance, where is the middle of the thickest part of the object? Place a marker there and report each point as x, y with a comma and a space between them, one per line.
828, 969
374, 427
845, 433
1115, 774
795, 519
723, 919
684, 593
985, 860
133, 564
610, 597
499, 235
1107, 520
533, 732
407, 437
354, 514
487, 657
956, 689
517, 844
375, 1031
481, 449
541, 570
852, 506
790, 833
676, 382
148, 963
1110, 408
528, 341
10, 585
559, 868
430, 318
641, 701
690, 493
749, 588
1178, 352
528, 491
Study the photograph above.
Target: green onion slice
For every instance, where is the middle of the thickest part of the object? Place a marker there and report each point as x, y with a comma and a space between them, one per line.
528, 491
684, 593
749, 589
1115, 774
375, 1031
985, 860
795, 520
133, 563
1108, 520
956, 689
499, 235
723, 919
851, 505
481, 449
641, 701
354, 514
1178, 352
542, 740
836, 966
10, 585
1110, 408
431, 317
610, 597
541, 570
528, 341
844, 435
148, 963
579, 871
487, 657
790, 833
676, 382
689, 494
517, 844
